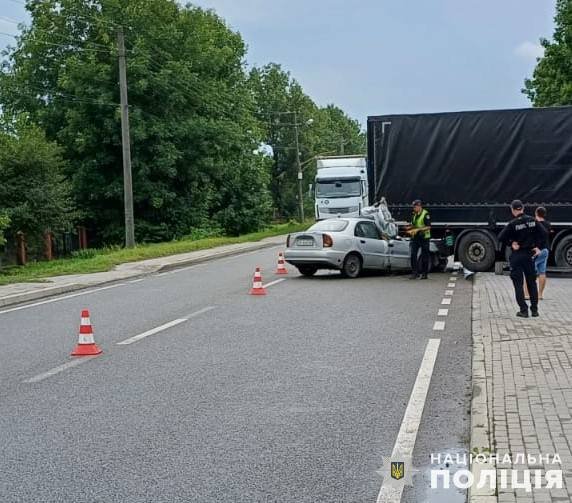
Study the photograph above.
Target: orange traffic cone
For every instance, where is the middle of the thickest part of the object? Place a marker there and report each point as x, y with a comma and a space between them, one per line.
257, 288
281, 265
86, 345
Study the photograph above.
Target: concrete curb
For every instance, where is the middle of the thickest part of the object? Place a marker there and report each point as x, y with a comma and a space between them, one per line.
481, 433
214, 256
39, 294
52, 291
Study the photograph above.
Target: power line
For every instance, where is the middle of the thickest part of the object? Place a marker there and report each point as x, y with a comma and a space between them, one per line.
80, 16
54, 93
65, 46
35, 29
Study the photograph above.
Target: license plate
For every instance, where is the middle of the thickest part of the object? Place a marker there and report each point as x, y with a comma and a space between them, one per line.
305, 242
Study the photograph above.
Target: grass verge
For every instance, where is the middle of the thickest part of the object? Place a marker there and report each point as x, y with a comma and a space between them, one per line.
98, 260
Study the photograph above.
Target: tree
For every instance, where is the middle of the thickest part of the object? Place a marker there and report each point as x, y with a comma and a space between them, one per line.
4, 223
322, 131
551, 83
34, 193
193, 131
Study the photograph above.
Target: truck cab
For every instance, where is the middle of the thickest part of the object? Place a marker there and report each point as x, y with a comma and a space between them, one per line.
341, 186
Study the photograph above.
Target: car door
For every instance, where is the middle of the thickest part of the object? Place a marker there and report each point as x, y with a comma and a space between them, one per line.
399, 254
372, 248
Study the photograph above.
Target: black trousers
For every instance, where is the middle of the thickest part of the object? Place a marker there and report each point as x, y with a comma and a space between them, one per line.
522, 269
415, 245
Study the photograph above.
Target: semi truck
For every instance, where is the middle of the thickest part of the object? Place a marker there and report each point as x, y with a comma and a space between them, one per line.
341, 186
467, 167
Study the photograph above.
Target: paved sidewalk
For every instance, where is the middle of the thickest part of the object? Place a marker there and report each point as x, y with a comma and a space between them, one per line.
522, 384
24, 292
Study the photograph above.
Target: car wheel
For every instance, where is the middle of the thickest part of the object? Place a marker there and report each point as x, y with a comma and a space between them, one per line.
499, 268
437, 263
477, 252
352, 266
307, 270
563, 252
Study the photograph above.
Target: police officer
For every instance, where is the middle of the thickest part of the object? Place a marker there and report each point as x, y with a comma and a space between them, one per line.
524, 235
420, 230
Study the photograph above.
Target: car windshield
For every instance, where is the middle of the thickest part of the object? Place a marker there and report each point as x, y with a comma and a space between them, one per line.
338, 188
332, 225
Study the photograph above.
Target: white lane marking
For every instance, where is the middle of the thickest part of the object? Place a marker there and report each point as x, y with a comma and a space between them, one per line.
449, 292
136, 280
455, 273
451, 285
443, 312
61, 368
200, 311
275, 282
453, 278
153, 331
182, 269
446, 302
439, 325
49, 301
407, 435
163, 327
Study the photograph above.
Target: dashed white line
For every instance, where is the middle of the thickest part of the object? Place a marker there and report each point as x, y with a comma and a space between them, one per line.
449, 292
136, 280
443, 312
439, 325
153, 331
57, 299
451, 285
163, 327
410, 425
275, 282
446, 301
61, 368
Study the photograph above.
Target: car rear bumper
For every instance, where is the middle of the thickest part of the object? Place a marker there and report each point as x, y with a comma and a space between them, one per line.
324, 259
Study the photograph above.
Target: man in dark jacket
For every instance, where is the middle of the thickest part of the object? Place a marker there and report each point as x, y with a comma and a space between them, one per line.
524, 235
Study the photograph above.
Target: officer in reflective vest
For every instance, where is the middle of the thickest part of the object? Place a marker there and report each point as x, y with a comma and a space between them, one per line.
420, 230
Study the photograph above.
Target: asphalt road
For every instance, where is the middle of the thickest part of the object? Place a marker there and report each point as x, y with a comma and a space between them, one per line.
291, 397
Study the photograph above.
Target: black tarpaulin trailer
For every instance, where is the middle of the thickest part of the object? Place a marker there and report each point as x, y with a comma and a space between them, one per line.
468, 166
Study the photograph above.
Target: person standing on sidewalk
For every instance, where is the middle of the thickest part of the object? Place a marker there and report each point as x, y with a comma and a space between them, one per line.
420, 231
525, 236
541, 260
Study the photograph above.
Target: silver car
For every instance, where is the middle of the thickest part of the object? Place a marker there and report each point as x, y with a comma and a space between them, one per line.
350, 245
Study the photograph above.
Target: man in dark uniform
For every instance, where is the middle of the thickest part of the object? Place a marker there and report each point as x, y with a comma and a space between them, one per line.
420, 230
525, 236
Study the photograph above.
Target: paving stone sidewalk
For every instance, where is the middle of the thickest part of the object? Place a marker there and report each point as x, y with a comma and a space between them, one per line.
24, 292
526, 382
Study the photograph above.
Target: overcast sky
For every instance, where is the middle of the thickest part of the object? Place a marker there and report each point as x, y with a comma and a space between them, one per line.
373, 57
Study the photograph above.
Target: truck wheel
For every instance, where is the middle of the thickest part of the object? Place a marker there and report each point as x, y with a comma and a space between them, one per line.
307, 270
477, 252
352, 266
563, 253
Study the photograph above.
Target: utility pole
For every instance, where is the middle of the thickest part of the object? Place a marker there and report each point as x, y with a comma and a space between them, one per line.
300, 192
125, 141
342, 143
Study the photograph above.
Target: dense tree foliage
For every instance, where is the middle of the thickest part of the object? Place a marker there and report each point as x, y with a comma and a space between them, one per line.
280, 101
198, 118
34, 194
551, 83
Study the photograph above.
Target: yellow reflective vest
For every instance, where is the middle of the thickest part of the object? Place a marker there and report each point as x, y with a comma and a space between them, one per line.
418, 220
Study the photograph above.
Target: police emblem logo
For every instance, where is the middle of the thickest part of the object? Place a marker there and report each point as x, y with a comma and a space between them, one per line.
397, 470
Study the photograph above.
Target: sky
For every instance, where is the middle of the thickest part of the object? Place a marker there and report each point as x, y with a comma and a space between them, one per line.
376, 57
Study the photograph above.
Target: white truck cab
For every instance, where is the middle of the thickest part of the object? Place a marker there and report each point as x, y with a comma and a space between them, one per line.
341, 187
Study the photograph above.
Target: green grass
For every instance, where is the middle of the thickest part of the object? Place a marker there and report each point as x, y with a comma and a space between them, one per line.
97, 260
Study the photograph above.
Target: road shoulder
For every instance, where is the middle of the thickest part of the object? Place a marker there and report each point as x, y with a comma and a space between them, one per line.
18, 293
